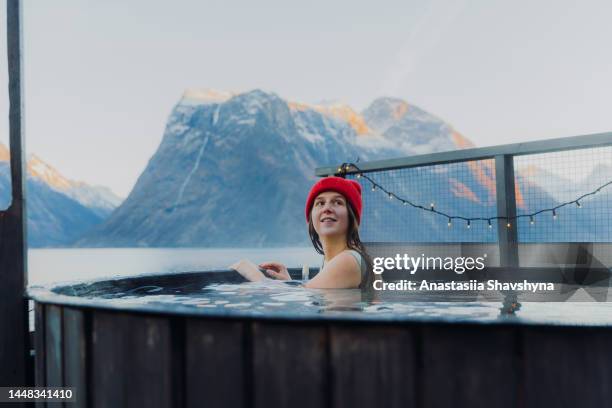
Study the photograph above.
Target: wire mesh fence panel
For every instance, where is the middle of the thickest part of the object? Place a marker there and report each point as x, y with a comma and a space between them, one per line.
560, 179
465, 189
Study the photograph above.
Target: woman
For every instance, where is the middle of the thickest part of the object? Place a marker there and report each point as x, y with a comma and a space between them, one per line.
333, 214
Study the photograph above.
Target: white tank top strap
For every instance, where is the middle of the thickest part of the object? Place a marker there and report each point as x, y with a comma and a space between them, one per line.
360, 261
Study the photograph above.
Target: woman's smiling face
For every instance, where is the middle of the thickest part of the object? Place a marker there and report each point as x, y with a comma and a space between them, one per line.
330, 214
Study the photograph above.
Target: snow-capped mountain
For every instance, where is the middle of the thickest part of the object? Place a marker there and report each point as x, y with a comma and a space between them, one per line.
59, 210
98, 198
234, 169
410, 129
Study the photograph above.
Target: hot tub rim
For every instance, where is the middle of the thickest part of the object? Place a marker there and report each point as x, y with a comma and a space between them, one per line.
44, 294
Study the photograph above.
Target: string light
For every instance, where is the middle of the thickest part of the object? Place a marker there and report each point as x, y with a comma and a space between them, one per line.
342, 170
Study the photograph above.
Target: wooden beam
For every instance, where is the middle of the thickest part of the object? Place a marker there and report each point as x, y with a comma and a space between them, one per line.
14, 348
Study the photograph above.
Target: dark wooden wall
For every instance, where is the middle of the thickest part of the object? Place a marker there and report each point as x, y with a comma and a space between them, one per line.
118, 359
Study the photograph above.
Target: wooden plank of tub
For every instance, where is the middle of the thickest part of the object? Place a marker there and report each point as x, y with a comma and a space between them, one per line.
289, 365
372, 366
39, 344
131, 360
568, 367
54, 349
214, 363
75, 349
469, 366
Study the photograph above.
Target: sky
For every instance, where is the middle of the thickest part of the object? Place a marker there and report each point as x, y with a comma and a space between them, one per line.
101, 78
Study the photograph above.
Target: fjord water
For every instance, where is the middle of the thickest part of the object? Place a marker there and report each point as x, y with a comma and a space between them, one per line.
61, 265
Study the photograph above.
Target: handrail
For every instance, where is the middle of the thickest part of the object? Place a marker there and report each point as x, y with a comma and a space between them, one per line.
481, 153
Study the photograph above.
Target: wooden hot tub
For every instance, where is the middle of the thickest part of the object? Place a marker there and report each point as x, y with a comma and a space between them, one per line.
148, 355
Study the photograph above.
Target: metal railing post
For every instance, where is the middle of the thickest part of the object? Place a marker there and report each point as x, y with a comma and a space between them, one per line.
506, 207
14, 349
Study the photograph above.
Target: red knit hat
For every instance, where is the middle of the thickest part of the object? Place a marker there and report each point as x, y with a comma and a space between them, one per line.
350, 189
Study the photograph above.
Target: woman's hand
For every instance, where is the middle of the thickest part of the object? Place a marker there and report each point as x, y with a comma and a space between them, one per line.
276, 270
248, 269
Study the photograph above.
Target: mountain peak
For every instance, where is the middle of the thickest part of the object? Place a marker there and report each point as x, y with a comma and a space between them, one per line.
258, 94
337, 110
396, 105
205, 96
385, 111
38, 168
95, 197
256, 101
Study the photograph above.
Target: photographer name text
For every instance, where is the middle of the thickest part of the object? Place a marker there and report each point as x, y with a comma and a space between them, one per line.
471, 285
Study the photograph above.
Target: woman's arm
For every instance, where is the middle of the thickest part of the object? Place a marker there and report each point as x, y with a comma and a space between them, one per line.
248, 269
342, 272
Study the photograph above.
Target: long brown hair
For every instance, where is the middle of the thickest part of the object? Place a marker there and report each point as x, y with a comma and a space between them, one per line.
352, 241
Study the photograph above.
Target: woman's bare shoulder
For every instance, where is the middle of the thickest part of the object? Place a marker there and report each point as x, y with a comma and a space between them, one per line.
341, 272
345, 261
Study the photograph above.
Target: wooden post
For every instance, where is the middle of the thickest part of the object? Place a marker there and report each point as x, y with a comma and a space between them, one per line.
506, 207
14, 350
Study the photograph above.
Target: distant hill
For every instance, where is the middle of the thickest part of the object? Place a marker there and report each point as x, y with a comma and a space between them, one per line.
59, 210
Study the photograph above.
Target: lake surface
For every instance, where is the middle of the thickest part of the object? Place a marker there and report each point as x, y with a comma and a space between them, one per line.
61, 265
